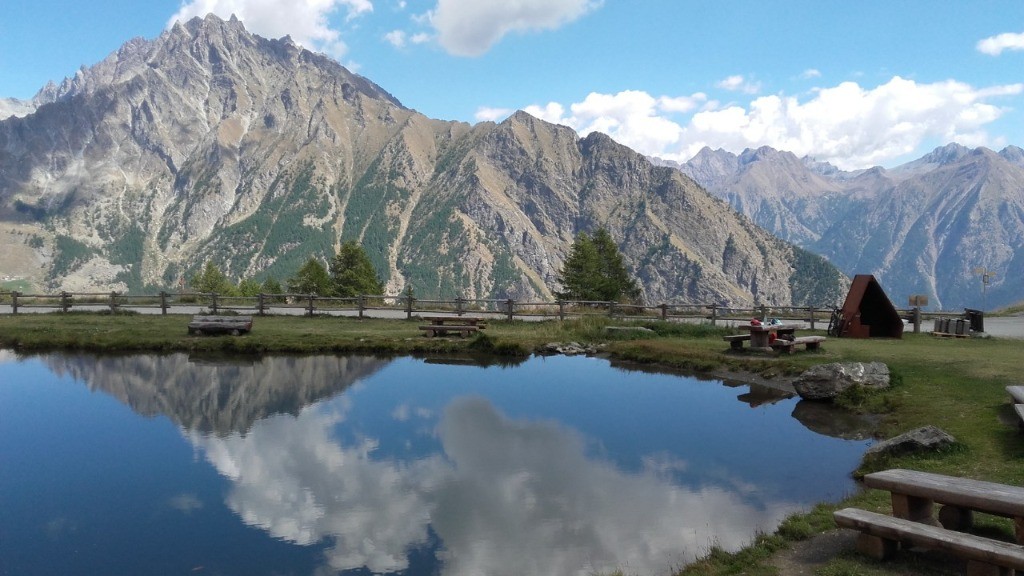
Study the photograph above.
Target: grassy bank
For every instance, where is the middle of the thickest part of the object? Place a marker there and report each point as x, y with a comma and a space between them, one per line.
956, 384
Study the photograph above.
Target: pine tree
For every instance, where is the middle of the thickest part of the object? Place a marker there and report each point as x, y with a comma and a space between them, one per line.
614, 282
312, 278
352, 273
596, 271
580, 270
212, 279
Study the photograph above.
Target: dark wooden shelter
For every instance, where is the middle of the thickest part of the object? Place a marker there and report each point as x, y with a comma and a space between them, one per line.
868, 313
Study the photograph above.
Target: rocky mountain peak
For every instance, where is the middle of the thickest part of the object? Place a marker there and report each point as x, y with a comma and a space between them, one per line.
947, 154
210, 144
1013, 154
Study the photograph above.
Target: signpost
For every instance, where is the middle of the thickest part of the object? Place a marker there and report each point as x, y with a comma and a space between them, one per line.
986, 276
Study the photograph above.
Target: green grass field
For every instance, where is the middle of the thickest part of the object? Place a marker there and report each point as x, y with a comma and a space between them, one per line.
956, 384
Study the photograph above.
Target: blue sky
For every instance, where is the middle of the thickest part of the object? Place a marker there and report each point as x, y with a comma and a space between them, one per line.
858, 84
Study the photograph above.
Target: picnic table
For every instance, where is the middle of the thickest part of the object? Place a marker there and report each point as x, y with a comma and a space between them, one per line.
461, 325
761, 334
772, 337
914, 495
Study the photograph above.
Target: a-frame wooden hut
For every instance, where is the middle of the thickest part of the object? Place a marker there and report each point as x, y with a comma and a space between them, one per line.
868, 313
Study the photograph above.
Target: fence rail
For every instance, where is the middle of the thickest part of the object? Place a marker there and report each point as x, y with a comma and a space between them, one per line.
362, 306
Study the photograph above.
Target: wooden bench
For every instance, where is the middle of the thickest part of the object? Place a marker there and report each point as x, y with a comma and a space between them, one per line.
915, 493
1016, 393
881, 535
443, 329
736, 340
787, 346
234, 325
477, 321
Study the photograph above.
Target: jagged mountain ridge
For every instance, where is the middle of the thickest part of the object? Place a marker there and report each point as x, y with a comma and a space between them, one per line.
922, 228
209, 143
217, 395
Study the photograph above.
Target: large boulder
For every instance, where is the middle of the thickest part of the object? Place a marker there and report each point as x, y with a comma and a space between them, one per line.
925, 439
826, 381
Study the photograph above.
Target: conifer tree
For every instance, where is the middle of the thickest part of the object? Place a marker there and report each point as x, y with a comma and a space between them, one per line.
352, 273
312, 278
595, 270
212, 279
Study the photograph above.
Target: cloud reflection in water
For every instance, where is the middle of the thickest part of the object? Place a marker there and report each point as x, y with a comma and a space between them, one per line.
503, 496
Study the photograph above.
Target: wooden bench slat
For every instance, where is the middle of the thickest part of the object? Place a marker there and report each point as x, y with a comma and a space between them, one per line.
1017, 393
968, 546
231, 324
999, 499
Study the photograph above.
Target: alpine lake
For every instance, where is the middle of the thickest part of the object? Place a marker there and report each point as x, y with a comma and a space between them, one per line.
322, 465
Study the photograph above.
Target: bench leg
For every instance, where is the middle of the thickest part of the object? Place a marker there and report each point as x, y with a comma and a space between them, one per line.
813, 345
913, 508
1018, 526
956, 518
875, 547
736, 344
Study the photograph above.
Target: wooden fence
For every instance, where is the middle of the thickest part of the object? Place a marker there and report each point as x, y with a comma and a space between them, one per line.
367, 305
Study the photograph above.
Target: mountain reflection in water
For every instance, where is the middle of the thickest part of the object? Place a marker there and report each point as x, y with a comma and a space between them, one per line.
558, 466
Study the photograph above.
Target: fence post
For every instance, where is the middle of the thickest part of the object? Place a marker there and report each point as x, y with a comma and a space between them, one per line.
811, 310
764, 312
664, 311
14, 301
213, 302
917, 319
261, 304
65, 301
458, 305
310, 307
561, 309
163, 303
510, 304
409, 298
611, 309
361, 302
714, 314
113, 302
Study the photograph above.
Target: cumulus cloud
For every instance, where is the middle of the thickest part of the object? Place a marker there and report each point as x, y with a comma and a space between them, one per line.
994, 45
488, 114
811, 73
848, 125
472, 27
738, 83
396, 38
506, 496
306, 21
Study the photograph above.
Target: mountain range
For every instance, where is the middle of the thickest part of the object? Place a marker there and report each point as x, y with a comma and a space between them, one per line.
939, 226
209, 143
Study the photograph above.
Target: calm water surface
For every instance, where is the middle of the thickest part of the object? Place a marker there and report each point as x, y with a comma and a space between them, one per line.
355, 465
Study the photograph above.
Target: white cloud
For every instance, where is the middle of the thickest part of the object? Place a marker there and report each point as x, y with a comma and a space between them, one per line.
472, 27
811, 73
504, 496
306, 21
738, 83
396, 38
848, 125
487, 114
994, 45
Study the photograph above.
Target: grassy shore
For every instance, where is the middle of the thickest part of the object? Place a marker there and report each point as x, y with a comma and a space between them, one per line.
956, 384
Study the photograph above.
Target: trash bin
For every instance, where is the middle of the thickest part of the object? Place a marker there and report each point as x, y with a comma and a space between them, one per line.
960, 327
976, 318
